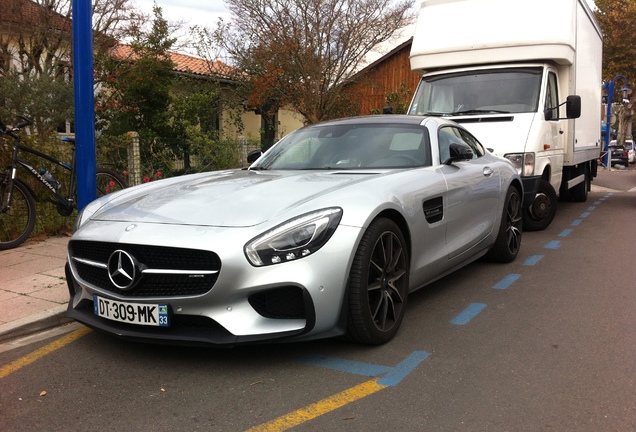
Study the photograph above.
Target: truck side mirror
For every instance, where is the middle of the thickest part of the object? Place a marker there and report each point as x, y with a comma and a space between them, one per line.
573, 107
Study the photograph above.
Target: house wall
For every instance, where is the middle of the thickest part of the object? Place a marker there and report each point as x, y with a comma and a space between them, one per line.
288, 121
372, 86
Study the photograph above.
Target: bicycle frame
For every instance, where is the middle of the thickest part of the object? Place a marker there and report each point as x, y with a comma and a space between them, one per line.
68, 200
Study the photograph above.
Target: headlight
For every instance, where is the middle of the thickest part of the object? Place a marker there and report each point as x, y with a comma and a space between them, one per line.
84, 215
78, 221
293, 239
523, 163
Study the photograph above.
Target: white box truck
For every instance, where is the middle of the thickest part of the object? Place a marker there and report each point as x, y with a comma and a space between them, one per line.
524, 76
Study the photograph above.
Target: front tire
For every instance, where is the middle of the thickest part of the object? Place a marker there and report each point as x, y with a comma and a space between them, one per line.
16, 224
541, 212
508, 243
378, 284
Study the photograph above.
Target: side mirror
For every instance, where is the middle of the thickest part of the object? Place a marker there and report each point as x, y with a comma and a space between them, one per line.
254, 155
459, 152
573, 107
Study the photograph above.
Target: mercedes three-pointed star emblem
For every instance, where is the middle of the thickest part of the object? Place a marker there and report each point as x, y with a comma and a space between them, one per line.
122, 269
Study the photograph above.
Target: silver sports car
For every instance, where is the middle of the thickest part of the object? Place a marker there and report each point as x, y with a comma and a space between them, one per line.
326, 234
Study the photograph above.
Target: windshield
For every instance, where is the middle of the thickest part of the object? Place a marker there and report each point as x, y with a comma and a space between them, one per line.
349, 146
491, 91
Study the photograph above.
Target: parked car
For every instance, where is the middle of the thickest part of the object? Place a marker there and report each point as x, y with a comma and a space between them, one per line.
325, 234
619, 155
631, 151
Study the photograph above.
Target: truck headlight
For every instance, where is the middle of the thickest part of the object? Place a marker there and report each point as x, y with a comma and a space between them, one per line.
294, 239
523, 163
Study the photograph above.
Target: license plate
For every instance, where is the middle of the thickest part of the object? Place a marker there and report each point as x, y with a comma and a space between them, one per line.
132, 313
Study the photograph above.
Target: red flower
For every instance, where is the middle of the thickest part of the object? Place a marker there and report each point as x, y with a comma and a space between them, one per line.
146, 179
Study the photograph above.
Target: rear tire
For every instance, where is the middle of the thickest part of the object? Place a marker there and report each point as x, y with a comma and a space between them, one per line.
541, 212
579, 192
17, 223
378, 284
508, 243
108, 181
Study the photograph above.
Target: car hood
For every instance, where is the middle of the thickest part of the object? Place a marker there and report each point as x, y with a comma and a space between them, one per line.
228, 198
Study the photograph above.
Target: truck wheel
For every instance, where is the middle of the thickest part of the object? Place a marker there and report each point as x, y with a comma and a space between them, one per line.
541, 212
579, 192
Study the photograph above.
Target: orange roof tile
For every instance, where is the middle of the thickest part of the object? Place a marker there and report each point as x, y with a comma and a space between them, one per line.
182, 62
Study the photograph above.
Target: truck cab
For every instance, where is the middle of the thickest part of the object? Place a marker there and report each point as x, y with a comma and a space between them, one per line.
528, 89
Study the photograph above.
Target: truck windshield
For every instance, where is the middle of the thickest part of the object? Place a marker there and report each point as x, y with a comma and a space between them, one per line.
479, 92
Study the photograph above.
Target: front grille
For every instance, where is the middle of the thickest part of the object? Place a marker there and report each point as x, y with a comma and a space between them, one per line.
86, 255
280, 303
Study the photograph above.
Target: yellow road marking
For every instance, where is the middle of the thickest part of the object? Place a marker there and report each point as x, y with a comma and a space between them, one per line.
319, 408
39, 353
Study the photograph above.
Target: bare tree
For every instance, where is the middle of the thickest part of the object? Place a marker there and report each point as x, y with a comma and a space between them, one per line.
298, 52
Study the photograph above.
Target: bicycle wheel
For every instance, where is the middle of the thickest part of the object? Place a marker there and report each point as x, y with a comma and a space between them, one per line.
108, 181
18, 221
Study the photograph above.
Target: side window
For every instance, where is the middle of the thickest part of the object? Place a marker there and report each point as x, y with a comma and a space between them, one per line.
552, 96
478, 149
452, 135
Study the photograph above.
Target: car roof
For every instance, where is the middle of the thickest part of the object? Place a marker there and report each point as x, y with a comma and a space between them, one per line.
386, 119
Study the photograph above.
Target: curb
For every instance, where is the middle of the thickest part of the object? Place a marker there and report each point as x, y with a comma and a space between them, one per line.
32, 324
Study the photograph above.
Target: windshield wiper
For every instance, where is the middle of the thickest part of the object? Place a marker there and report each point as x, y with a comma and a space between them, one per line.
478, 111
436, 114
257, 168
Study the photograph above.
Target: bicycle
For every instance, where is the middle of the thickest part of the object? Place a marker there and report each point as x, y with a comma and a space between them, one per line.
18, 211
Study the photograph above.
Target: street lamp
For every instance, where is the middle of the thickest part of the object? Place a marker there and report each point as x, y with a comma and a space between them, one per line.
609, 88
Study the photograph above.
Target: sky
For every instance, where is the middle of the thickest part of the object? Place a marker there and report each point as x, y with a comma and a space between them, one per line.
199, 12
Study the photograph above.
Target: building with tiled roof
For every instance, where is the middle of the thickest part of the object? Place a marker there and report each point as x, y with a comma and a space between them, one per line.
184, 64
18, 15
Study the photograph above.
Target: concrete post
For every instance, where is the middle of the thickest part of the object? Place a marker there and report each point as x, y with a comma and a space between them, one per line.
134, 160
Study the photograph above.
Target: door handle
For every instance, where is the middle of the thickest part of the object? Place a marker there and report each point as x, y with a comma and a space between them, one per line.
488, 172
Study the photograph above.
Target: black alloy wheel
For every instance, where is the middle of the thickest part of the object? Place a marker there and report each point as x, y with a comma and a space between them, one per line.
378, 284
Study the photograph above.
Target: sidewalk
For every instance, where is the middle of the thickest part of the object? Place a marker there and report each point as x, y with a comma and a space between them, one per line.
33, 292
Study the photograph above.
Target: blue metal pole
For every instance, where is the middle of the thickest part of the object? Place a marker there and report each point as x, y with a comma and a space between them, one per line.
84, 102
608, 121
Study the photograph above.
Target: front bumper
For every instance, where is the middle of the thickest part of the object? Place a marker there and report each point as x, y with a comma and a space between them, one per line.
530, 189
246, 304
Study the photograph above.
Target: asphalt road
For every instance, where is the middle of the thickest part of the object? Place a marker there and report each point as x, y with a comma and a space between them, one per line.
542, 344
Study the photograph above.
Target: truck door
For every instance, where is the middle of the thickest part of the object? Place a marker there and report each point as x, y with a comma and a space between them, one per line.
555, 152
473, 192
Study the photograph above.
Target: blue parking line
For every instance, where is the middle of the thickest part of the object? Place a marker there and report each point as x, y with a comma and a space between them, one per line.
404, 368
343, 365
468, 314
530, 261
591, 208
507, 281
577, 222
565, 233
597, 203
393, 374
554, 244
585, 214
